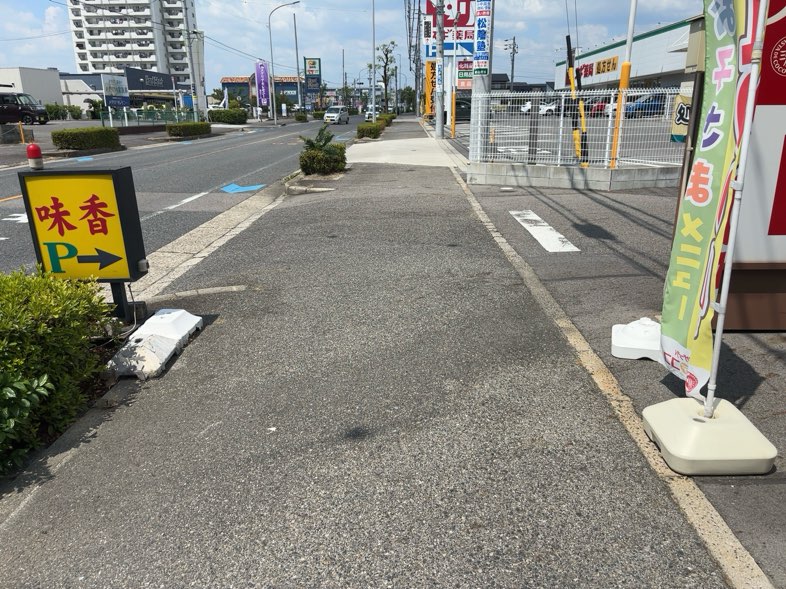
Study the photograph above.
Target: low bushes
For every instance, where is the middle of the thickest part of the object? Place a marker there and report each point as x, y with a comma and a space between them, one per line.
301, 117
86, 138
372, 130
321, 156
47, 357
60, 112
190, 129
230, 116
387, 118
318, 115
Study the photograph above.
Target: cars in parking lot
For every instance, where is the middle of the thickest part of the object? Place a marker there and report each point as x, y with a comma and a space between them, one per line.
647, 105
463, 110
370, 114
336, 114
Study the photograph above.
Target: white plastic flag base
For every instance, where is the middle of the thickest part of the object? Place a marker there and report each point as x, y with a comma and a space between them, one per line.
691, 444
639, 339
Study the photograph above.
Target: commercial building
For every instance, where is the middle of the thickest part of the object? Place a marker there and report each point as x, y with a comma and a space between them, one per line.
662, 58
156, 35
41, 84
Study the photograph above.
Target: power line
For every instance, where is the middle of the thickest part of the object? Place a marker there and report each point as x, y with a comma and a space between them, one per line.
37, 36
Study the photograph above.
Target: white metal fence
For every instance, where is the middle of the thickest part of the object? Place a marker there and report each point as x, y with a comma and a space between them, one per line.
538, 128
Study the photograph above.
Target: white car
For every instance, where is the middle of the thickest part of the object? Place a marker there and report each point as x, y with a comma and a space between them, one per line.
336, 114
370, 114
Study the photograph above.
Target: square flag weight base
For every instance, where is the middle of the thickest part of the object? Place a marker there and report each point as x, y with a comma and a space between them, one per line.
725, 444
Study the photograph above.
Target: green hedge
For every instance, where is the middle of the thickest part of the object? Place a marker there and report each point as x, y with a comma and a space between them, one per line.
48, 328
373, 130
189, 129
387, 118
318, 115
86, 138
230, 116
301, 117
59, 112
331, 159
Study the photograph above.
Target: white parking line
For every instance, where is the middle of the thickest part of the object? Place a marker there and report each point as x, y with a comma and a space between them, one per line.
551, 240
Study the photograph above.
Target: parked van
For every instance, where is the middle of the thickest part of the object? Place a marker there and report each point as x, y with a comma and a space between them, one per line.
15, 107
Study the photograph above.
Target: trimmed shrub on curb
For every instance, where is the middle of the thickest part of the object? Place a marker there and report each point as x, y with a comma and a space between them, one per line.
301, 117
318, 115
320, 156
48, 326
189, 129
86, 138
372, 130
388, 119
230, 116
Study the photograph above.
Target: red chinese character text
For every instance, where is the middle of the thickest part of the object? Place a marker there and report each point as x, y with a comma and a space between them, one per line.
57, 214
95, 215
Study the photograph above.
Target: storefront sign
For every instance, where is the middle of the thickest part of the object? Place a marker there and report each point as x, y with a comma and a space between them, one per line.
459, 28
115, 90
85, 223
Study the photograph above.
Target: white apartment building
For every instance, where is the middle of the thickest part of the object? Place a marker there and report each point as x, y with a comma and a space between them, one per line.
110, 35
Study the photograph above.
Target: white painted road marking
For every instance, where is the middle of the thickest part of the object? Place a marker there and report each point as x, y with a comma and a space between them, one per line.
551, 239
16, 218
174, 206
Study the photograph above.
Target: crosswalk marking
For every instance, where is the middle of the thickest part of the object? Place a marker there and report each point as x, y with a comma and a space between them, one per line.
551, 240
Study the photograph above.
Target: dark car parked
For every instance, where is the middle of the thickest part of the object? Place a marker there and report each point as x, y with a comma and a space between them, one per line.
15, 107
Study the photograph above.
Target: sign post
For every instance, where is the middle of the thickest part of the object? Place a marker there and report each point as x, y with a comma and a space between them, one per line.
86, 224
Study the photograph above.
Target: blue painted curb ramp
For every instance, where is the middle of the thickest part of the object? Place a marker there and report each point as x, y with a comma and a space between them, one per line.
232, 188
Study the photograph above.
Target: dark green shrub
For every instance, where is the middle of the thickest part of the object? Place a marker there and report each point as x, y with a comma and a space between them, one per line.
86, 138
372, 130
76, 112
56, 112
189, 129
301, 117
47, 327
320, 156
387, 118
353, 111
229, 116
18, 398
318, 115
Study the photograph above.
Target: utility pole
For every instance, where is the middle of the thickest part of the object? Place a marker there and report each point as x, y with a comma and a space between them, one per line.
191, 75
343, 80
440, 90
514, 49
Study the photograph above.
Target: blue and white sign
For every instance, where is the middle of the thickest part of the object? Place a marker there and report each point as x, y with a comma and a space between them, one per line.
462, 49
440, 74
115, 90
482, 55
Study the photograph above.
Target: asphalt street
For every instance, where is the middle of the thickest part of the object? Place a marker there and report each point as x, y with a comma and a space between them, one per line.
179, 185
381, 396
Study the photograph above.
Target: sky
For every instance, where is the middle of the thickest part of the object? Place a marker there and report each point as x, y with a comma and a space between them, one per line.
35, 33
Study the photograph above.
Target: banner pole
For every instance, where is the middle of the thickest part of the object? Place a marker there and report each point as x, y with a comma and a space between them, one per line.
737, 186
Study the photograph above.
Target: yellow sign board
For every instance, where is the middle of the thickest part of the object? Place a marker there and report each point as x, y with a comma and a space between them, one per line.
83, 224
431, 85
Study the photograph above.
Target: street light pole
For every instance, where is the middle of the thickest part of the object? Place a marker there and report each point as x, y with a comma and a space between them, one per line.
272, 67
297, 67
374, 59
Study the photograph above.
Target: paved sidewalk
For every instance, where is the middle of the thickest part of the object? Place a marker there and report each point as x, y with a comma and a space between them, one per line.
387, 392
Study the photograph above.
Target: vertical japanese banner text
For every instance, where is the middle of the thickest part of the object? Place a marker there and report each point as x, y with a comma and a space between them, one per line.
263, 90
699, 240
